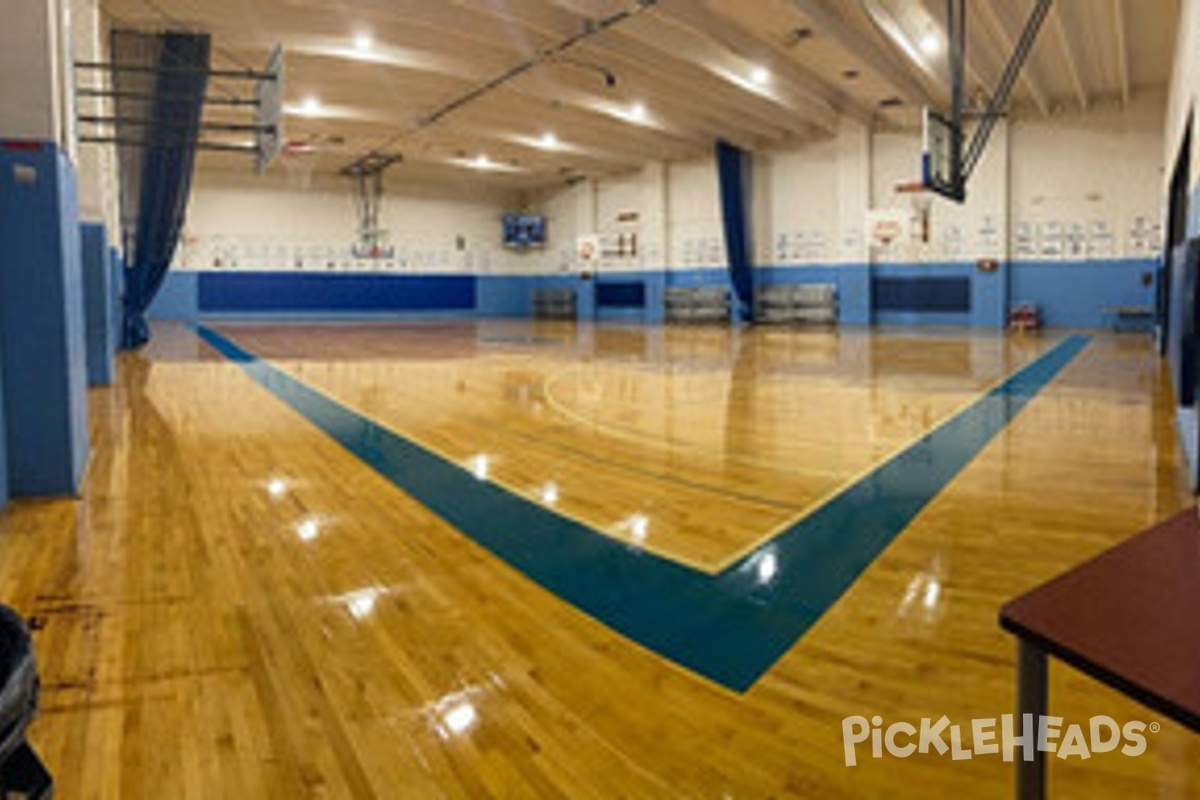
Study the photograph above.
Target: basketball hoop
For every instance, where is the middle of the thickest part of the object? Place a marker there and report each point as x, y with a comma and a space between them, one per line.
299, 164
887, 227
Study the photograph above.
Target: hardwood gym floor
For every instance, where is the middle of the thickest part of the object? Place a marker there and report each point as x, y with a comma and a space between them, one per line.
242, 607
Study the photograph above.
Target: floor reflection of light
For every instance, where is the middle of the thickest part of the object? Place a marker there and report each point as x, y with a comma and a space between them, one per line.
460, 718
361, 603
923, 593
639, 527
277, 487
550, 494
308, 530
768, 567
932, 592
481, 467
456, 713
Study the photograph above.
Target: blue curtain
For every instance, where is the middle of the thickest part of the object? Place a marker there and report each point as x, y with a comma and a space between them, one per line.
159, 113
733, 171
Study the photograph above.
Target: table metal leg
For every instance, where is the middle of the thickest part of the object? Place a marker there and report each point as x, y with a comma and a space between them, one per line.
1031, 699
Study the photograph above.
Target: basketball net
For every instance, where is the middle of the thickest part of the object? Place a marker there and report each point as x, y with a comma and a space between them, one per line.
300, 167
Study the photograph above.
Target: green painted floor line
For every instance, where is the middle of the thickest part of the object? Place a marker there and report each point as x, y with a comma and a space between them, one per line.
730, 627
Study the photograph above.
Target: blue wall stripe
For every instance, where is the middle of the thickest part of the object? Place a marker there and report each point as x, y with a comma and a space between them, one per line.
730, 627
1071, 294
921, 294
281, 291
621, 294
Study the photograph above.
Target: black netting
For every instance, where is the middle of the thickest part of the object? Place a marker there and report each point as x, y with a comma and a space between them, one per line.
160, 80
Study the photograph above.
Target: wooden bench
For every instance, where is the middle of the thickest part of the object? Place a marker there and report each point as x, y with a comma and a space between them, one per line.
1130, 317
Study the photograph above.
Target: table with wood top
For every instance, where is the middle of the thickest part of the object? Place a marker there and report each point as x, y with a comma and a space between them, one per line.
1128, 618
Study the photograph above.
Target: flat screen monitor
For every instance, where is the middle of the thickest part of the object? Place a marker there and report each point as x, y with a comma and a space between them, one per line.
524, 230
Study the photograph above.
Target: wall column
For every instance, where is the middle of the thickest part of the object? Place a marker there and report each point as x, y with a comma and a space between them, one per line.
853, 198
41, 300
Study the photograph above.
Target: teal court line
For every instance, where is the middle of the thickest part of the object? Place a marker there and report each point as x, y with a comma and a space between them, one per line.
729, 627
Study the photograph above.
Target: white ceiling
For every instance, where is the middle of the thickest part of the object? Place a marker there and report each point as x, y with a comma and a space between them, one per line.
691, 63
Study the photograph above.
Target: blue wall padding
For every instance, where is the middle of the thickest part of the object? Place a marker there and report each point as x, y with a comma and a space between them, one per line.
946, 295
3, 443
42, 342
284, 292
97, 296
1071, 294
621, 294
1075, 295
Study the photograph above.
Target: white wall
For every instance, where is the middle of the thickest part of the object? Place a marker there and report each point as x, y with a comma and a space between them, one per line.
247, 222
1099, 175
1071, 187
35, 74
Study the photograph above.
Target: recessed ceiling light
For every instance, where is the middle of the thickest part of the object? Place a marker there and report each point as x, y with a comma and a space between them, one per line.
760, 76
930, 44
363, 42
797, 36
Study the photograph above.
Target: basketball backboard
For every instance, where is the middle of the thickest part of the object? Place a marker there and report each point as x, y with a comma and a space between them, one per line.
269, 112
941, 164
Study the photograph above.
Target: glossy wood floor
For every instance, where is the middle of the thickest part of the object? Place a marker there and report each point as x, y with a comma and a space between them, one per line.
239, 608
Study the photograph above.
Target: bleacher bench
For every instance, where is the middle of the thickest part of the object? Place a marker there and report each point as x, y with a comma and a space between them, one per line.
696, 304
816, 303
554, 304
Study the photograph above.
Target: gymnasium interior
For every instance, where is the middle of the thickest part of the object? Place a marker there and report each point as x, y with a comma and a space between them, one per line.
721, 399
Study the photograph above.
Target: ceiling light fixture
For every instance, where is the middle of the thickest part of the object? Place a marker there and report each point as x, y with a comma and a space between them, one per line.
610, 78
797, 36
